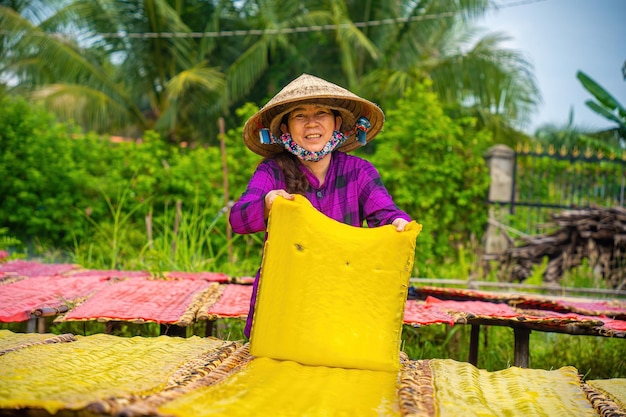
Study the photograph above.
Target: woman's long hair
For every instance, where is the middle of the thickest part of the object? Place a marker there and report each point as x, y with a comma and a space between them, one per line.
295, 180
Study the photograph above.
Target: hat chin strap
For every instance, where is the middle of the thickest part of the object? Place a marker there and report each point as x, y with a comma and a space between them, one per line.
335, 141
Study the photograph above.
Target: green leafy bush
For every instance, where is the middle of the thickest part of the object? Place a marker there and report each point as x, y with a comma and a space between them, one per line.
98, 199
435, 170
40, 175
102, 201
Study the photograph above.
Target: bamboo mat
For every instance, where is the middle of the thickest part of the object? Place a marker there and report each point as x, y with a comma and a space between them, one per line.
510, 392
27, 287
462, 294
610, 308
108, 274
421, 314
233, 301
608, 396
31, 269
141, 300
433, 311
103, 375
93, 369
10, 341
206, 276
19, 269
19, 299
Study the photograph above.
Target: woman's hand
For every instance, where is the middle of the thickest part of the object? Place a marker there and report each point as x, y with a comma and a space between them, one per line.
399, 224
271, 196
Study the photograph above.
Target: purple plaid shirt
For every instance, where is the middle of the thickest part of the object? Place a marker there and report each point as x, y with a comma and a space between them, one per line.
352, 193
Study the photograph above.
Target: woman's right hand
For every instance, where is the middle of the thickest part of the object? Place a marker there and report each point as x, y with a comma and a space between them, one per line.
271, 196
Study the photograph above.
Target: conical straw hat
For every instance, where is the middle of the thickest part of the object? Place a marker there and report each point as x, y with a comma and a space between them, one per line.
307, 88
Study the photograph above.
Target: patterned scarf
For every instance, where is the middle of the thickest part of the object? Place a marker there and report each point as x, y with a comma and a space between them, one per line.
335, 141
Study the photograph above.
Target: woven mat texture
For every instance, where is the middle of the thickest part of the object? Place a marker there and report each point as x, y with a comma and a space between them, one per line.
19, 299
159, 300
72, 375
234, 302
110, 375
614, 388
511, 392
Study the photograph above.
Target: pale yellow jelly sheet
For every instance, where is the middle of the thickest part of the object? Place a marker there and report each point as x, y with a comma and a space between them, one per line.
271, 388
331, 294
461, 389
11, 340
72, 375
614, 388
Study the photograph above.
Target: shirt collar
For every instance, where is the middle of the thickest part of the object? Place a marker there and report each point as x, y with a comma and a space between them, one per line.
330, 174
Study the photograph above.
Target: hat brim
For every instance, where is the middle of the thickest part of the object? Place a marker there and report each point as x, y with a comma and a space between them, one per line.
305, 89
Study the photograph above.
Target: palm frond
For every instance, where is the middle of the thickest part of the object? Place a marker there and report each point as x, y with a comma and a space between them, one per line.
245, 71
89, 107
198, 77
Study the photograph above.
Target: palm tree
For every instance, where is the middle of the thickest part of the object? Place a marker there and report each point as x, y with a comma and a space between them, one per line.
379, 49
567, 136
437, 41
102, 75
287, 47
109, 76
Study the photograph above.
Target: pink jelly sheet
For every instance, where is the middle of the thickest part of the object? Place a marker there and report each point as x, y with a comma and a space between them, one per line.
158, 300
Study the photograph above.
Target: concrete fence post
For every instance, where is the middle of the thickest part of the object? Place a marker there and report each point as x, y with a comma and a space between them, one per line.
500, 161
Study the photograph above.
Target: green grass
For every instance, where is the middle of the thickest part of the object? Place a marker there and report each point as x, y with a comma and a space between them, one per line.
594, 357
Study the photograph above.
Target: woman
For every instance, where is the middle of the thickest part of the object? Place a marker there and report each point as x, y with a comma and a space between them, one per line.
304, 133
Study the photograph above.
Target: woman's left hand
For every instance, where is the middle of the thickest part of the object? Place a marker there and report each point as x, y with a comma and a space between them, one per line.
399, 224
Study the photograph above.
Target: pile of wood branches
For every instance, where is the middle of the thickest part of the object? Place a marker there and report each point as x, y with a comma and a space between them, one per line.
597, 234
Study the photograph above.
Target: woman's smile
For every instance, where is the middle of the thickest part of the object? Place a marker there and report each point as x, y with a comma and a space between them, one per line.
311, 126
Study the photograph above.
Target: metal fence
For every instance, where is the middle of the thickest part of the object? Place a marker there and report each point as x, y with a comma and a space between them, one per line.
545, 181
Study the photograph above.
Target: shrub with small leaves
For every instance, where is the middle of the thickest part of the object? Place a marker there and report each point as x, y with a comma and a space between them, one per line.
434, 168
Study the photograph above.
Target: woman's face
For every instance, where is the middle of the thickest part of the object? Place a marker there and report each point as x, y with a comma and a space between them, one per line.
311, 126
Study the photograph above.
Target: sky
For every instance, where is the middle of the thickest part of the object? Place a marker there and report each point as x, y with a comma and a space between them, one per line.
560, 37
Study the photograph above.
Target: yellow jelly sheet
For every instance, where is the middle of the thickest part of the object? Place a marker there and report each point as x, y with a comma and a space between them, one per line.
614, 388
269, 388
331, 294
10, 340
71, 375
461, 389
